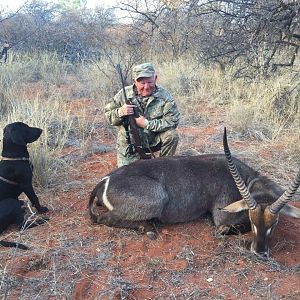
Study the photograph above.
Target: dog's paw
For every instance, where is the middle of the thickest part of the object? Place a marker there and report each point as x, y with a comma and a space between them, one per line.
42, 209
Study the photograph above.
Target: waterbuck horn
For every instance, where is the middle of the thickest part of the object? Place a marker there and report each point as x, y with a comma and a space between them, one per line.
236, 175
287, 195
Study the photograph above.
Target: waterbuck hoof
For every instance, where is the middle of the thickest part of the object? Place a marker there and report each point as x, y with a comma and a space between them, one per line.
151, 235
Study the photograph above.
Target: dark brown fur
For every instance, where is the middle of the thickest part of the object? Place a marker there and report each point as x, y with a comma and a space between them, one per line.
177, 189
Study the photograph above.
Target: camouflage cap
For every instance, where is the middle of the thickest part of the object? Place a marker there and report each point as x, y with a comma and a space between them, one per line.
143, 70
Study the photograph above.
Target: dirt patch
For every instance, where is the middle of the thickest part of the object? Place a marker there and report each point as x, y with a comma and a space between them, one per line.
69, 258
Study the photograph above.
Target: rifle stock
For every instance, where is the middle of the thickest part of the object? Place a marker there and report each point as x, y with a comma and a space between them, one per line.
129, 121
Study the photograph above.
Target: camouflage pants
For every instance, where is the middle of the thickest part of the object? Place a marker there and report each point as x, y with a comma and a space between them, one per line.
167, 145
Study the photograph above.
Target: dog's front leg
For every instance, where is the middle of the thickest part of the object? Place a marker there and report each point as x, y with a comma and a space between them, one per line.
29, 192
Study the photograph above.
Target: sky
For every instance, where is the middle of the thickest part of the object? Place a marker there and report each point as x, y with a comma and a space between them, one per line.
14, 4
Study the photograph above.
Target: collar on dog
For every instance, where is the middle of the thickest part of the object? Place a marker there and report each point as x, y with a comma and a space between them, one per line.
19, 158
15, 158
8, 181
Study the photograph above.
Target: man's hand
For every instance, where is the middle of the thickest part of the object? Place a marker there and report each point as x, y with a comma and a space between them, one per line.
126, 110
141, 122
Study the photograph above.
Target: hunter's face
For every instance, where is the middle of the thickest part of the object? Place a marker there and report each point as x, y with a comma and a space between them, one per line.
145, 86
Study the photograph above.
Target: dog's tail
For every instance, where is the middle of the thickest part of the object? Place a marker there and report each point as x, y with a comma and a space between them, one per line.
92, 203
13, 244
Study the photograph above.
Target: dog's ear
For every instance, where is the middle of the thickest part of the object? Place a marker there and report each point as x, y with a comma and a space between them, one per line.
17, 137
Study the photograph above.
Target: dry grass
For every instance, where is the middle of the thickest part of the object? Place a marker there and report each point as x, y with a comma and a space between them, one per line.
262, 111
56, 122
270, 107
266, 110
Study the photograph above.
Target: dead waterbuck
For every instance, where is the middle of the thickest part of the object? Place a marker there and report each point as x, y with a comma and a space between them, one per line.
183, 189
263, 210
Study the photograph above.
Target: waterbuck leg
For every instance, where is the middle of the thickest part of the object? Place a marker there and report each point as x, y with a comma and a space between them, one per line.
109, 219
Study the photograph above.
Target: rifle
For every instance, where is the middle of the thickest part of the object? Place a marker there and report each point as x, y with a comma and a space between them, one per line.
129, 121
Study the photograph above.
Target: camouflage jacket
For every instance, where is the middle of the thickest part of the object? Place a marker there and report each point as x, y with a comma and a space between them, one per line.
159, 109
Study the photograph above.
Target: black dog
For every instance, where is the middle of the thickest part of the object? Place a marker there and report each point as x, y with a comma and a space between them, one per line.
16, 177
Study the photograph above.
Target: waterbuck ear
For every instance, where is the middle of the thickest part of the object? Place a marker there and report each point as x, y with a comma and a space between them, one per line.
237, 206
291, 211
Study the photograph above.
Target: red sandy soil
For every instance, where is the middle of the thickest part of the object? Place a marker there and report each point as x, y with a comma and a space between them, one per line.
69, 258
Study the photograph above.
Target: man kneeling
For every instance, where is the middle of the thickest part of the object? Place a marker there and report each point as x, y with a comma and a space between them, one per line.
155, 111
